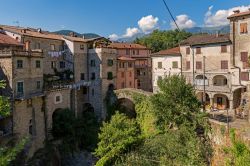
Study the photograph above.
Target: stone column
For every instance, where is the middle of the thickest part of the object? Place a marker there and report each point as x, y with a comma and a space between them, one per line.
231, 107
212, 102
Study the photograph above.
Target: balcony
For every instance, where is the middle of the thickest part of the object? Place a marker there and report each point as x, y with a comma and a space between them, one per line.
21, 53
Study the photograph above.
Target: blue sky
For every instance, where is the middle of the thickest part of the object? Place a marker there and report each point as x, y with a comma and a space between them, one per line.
106, 17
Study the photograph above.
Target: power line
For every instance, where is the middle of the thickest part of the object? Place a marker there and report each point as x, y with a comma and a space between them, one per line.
171, 14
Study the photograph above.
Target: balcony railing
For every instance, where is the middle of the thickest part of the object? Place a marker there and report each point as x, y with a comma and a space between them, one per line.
200, 82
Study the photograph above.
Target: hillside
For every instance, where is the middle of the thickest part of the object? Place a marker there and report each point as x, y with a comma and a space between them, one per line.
86, 35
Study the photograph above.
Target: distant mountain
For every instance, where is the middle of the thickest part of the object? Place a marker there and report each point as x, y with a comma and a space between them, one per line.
209, 30
86, 35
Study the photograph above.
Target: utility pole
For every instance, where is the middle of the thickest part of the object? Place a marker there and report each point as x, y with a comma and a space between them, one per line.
193, 64
204, 85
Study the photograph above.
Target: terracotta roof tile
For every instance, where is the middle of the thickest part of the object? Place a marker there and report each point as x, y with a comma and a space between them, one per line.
7, 40
171, 51
206, 39
123, 58
126, 46
239, 14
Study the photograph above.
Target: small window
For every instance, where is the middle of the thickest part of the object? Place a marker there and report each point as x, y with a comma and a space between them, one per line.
130, 74
133, 52
19, 64
20, 88
188, 50
224, 48
82, 47
30, 127
122, 74
127, 52
38, 46
137, 52
82, 76
138, 72
175, 65
85, 90
62, 64
110, 75
159, 65
92, 76
53, 64
38, 85
130, 83
224, 64
244, 56
110, 62
243, 28
38, 64
130, 64
92, 63
198, 50
198, 65
52, 47
138, 83
244, 76
188, 65
58, 98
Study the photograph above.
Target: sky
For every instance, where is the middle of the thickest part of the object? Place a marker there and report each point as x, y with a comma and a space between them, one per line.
117, 18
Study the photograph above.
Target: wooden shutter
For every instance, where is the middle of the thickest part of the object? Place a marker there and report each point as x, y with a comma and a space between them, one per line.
224, 64
244, 76
224, 48
188, 50
198, 50
188, 65
198, 65
243, 28
244, 56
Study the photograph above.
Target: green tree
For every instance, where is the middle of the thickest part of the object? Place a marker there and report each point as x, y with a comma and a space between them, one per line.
160, 40
4, 103
116, 138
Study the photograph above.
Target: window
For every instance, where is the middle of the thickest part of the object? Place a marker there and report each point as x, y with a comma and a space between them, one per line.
127, 52
27, 45
62, 64
130, 83
188, 50
58, 98
38, 64
122, 74
175, 65
20, 88
137, 52
244, 56
138, 72
92, 63
19, 64
85, 90
188, 65
82, 47
38, 85
224, 48
53, 64
92, 76
130, 64
82, 76
93, 92
52, 47
110, 62
110, 75
244, 76
130, 74
133, 52
198, 50
198, 65
243, 28
30, 127
38, 46
138, 83
159, 65
123, 64
123, 85
224, 64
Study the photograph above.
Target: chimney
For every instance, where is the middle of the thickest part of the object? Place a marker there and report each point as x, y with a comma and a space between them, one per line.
39, 30
236, 11
217, 33
72, 34
83, 36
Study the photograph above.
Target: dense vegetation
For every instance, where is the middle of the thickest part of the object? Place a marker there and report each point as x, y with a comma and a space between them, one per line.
169, 129
161, 40
4, 103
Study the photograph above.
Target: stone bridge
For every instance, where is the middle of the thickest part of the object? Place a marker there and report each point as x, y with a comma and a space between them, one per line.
128, 93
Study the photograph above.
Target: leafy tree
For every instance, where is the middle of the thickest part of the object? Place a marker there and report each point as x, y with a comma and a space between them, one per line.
116, 138
4, 103
160, 40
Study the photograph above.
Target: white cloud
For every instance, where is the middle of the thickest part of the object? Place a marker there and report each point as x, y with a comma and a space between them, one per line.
148, 23
183, 21
113, 37
219, 18
131, 32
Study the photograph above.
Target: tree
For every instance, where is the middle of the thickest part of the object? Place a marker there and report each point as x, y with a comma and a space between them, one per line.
4, 103
160, 40
116, 138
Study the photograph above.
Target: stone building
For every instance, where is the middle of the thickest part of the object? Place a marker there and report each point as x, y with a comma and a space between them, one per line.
208, 57
142, 69
165, 63
125, 73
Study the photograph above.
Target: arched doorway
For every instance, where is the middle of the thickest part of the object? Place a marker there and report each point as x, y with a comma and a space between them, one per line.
199, 96
127, 107
220, 80
199, 81
221, 101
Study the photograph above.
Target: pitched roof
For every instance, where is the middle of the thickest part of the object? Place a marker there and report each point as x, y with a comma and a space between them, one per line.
239, 14
80, 39
171, 51
7, 40
126, 46
206, 39
123, 58
31, 32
